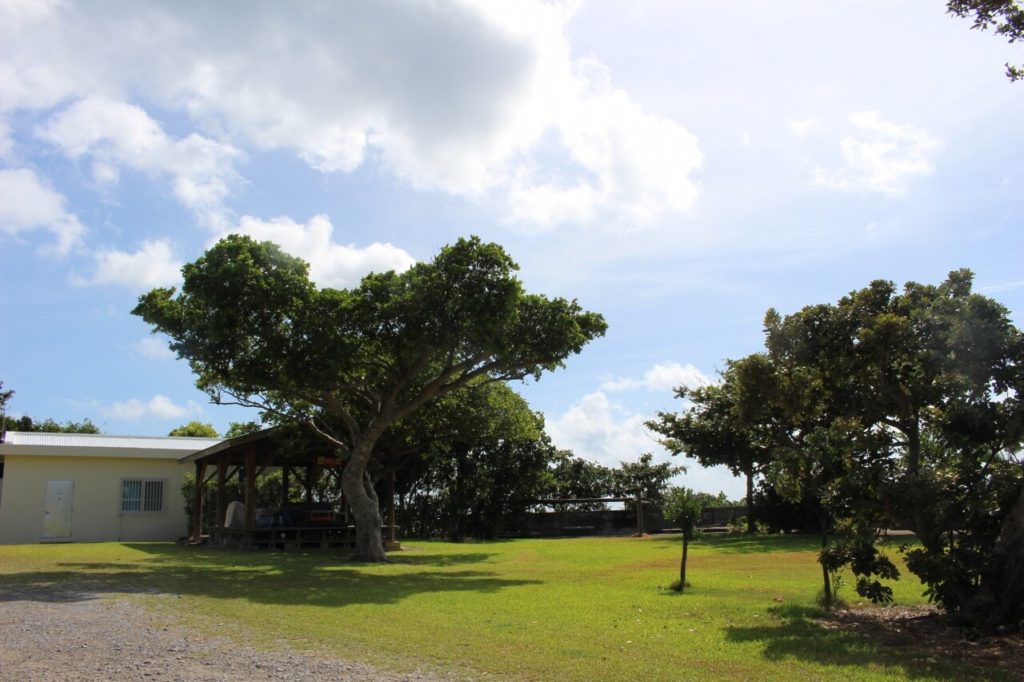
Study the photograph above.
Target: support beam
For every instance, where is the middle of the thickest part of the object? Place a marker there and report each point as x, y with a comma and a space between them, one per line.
250, 492
197, 502
285, 470
222, 479
310, 474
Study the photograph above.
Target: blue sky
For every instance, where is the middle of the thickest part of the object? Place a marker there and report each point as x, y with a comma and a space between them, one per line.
679, 167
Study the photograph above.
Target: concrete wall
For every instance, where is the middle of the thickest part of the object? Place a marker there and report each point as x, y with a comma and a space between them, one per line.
603, 522
96, 512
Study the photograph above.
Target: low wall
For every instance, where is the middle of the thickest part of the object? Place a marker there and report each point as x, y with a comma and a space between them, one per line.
721, 516
603, 522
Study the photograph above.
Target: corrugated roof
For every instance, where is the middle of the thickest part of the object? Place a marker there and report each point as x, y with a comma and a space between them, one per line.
87, 444
90, 440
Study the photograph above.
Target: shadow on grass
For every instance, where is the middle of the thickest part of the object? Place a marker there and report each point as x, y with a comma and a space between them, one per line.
748, 544
798, 637
322, 579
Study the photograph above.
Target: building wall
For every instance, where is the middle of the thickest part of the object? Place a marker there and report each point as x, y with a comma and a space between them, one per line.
96, 512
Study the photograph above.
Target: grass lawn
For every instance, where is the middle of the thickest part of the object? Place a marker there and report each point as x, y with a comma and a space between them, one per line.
581, 608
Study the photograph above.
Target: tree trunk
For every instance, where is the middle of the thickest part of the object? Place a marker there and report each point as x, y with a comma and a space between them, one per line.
1000, 600
825, 577
751, 525
682, 562
922, 520
365, 507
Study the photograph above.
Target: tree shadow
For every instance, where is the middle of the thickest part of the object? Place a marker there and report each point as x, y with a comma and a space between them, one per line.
279, 578
798, 637
735, 543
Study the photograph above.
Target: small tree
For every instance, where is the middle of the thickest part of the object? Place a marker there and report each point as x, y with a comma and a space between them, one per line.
683, 508
194, 429
571, 477
644, 478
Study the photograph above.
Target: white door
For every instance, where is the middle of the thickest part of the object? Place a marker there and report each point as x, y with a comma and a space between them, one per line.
60, 496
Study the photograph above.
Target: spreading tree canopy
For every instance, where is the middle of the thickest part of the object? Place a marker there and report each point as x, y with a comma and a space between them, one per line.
908, 413
1005, 17
352, 362
731, 422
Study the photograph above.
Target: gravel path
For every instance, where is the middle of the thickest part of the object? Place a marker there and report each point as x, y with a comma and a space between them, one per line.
49, 637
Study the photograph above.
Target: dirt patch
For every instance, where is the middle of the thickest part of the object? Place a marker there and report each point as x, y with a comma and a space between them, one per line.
59, 634
927, 632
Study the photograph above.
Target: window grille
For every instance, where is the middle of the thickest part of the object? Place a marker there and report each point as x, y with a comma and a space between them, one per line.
141, 495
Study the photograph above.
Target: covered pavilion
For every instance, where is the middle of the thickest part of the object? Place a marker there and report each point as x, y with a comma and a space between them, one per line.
300, 456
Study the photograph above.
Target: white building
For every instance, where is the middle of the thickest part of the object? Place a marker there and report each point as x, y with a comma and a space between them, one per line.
69, 487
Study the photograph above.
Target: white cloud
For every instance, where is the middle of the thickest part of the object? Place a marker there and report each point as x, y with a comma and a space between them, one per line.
879, 156
663, 376
999, 287
6, 141
28, 203
804, 127
114, 133
153, 347
621, 160
159, 406
153, 265
330, 264
465, 97
597, 429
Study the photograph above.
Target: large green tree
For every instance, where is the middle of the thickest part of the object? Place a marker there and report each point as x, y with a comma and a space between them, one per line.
483, 458
733, 422
353, 362
1005, 17
908, 413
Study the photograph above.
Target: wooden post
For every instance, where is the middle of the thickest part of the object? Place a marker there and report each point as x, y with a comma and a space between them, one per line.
639, 514
250, 492
284, 486
197, 503
222, 475
310, 469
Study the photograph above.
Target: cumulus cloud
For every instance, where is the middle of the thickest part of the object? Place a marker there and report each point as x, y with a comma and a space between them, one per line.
28, 203
466, 97
804, 127
879, 156
153, 347
597, 429
330, 264
663, 376
158, 406
152, 265
633, 164
114, 134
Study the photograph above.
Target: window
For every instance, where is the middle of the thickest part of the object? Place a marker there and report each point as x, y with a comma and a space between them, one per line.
141, 495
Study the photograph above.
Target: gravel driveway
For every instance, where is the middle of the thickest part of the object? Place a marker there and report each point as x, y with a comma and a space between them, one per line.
48, 636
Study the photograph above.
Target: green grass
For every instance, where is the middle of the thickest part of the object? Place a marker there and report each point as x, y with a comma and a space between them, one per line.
582, 608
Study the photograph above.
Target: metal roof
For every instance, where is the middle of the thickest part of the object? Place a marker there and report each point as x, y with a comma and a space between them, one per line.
98, 445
